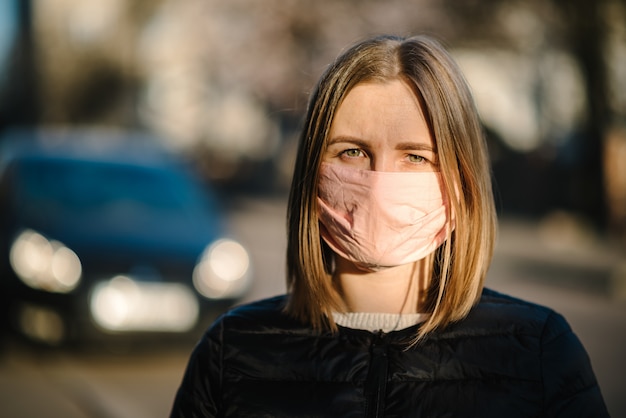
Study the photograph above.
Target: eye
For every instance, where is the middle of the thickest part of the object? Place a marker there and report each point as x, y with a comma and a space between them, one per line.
416, 159
352, 153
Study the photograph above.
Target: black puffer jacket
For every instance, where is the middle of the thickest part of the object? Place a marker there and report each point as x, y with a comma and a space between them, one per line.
508, 358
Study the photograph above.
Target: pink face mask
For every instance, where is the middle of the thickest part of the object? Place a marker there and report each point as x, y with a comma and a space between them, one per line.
381, 219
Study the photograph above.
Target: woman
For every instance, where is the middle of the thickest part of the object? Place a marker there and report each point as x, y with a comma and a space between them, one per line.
391, 226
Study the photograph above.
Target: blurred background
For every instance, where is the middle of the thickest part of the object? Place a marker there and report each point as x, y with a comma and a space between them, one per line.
217, 90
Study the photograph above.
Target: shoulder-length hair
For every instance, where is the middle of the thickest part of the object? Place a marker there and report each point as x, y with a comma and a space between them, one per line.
461, 263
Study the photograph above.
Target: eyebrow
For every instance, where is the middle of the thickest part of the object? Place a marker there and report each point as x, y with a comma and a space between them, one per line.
404, 146
407, 146
351, 139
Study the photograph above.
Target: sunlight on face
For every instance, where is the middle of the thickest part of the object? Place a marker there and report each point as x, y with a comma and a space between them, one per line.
381, 127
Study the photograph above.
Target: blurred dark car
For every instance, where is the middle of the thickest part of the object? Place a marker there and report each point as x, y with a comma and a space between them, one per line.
104, 235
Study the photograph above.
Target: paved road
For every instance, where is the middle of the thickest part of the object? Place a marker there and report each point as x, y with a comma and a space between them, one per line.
571, 274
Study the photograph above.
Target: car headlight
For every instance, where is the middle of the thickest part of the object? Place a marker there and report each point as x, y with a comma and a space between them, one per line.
44, 264
223, 270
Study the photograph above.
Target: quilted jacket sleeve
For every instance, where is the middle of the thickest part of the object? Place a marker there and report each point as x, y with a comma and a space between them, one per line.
570, 386
199, 392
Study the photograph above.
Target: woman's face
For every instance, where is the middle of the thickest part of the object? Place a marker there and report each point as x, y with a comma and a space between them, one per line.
381, 127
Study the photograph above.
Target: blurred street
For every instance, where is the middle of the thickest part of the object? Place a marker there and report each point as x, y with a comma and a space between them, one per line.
572, 273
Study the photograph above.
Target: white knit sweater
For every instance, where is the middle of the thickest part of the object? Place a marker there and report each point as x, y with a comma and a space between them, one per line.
386, 322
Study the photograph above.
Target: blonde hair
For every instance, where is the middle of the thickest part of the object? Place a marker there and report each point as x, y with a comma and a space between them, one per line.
460, 265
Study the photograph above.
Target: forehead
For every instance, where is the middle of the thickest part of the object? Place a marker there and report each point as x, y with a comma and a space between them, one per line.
393, 93
375, 110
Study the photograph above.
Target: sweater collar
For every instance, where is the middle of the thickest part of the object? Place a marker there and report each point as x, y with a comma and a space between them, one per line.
385, 322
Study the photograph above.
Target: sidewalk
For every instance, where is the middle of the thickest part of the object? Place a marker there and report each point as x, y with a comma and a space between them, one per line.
563, 252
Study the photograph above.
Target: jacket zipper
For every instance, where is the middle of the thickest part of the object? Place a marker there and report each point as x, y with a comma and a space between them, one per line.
376, 383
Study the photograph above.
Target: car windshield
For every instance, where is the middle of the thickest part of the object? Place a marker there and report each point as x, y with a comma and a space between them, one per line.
85, 187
